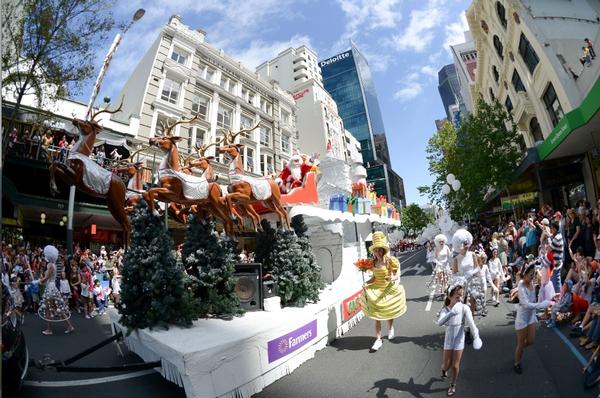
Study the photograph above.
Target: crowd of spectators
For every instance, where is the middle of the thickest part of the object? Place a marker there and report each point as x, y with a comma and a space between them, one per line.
89, 280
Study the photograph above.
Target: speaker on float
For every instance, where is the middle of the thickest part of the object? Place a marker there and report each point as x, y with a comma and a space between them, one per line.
248, 287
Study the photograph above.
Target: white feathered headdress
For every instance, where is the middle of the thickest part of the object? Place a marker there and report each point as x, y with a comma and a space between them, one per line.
440, 239
51, 253
461, 237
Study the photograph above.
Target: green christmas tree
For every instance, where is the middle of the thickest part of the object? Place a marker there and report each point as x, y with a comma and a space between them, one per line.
210, 260
153, 292
314, 270
293, 271
264, 246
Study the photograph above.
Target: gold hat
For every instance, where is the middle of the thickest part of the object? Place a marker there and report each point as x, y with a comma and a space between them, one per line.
379, 241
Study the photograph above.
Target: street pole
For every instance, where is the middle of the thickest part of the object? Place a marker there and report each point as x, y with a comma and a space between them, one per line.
115, 44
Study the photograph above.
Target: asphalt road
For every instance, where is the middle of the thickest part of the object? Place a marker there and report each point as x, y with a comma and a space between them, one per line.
408, 366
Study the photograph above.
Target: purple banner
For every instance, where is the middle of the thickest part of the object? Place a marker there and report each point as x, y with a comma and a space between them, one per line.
286, 344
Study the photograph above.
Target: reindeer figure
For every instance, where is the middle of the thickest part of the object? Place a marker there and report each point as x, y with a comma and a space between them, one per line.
245, 190
135, 186
88, 176
176, 186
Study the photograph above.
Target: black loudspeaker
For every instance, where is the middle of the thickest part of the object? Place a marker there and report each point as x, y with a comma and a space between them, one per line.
248, 287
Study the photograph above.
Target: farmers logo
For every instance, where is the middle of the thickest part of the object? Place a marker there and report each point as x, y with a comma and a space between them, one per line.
290, 342
283, 346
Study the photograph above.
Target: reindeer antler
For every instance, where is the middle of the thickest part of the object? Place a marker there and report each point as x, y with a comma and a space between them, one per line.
203, 148
105, 110
230, 137
167, 131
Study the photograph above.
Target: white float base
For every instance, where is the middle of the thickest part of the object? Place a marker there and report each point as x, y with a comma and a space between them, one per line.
218, 358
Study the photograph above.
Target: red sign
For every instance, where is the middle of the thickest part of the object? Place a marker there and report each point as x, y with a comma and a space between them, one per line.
93, 229
300, 94
351, 306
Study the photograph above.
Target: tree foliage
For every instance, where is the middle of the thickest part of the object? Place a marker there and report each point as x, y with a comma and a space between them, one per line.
413, 217
482, 153
51, 45
153, 292
210, 260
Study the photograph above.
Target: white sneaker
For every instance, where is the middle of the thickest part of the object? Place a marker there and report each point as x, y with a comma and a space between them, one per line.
377, 345
391, 333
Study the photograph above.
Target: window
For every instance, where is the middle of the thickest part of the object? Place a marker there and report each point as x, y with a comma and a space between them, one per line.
266, 164
249, 165
508, 104
161, 124
522, 144
170, 91
209, 74
224, 117
528, 53
492, 96
498, 46
517, 82
484, 26
200, 136
251, 96
179, 56
495, 73
265, 136
285, 143
224, 84
535, 130
246, 122
265, 106
553, 105
285, 117
200, 105
501, 14
244, 93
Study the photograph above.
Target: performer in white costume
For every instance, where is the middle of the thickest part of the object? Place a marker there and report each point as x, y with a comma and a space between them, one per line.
455, 316
526, 319
465, 265
441, 261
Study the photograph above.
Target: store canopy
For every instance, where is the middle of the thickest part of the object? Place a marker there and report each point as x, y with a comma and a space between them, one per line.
578, 131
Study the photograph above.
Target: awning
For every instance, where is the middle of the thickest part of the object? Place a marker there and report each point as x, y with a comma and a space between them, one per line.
105, 137
578, 131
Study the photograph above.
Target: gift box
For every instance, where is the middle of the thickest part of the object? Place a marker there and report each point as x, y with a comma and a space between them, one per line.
337, 202
364, 206
390, 211
352, 204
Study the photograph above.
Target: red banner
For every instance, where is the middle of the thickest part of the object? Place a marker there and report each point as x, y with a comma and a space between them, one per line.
351, 306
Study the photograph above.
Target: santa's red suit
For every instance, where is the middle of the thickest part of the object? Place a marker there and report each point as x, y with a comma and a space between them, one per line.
292, 176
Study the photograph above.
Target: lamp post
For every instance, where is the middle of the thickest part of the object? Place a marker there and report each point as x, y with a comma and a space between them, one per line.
136, 17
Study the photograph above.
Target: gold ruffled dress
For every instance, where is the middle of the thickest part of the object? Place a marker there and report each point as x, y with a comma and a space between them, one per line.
383, 300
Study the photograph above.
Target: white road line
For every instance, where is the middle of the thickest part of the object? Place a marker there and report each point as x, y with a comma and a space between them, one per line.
87, 382
405, 260
430, 301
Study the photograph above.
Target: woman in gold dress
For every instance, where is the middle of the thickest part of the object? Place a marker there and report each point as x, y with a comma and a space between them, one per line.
383, 299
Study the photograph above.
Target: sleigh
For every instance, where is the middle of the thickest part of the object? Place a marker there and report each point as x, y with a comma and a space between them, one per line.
305, 195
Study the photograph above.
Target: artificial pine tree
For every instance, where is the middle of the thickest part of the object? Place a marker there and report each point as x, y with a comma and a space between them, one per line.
314, 270
264, 246
293, 271
211, 260
153, 292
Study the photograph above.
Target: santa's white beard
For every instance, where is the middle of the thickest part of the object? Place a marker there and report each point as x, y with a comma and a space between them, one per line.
296, 173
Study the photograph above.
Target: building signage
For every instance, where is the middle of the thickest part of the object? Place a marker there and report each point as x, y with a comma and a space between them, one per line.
286, 344
334, 59
300, 94
351, 306
519, 200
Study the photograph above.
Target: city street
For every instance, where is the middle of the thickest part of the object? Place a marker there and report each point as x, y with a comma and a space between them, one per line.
409, 366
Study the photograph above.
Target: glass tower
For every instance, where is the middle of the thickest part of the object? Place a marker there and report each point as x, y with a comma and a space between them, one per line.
449, 88
347, 78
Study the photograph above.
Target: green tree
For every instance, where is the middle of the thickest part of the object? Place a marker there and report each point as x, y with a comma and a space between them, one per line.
153, 292
264, 246
211, 260
313, 268
413, 217
51, 45
482, 153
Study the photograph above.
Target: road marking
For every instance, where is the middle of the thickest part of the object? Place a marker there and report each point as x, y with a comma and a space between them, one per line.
87, 382
573, 349
431, 296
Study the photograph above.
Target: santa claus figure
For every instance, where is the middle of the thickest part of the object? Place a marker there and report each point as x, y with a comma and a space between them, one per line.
292, 176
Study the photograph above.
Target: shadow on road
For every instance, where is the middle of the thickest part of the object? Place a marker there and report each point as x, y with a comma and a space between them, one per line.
353, 343
422, 299
410, 387
431, 342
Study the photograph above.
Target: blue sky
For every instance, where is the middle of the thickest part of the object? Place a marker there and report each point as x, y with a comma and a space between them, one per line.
405, 41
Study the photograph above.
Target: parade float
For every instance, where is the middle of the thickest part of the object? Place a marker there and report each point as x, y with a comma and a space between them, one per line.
237, 355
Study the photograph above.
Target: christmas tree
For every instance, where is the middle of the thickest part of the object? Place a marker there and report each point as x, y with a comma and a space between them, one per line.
314, 270
264, 246
153, 292
294, 271
210, 260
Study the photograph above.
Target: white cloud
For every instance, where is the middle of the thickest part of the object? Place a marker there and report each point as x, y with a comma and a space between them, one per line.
455, 32
409, 91
429, 71
420, 32
369, 14
260, 51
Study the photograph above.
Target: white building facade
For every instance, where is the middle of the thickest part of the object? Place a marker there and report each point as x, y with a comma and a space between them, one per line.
181, 75
465, 61
528, 58
317, 119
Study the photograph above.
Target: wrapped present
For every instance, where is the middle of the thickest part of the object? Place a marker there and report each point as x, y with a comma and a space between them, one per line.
337, 202
364, 206
372, 196
375, 209
390, 210
352, 204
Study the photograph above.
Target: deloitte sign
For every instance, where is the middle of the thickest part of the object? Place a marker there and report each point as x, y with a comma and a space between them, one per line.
335, 58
